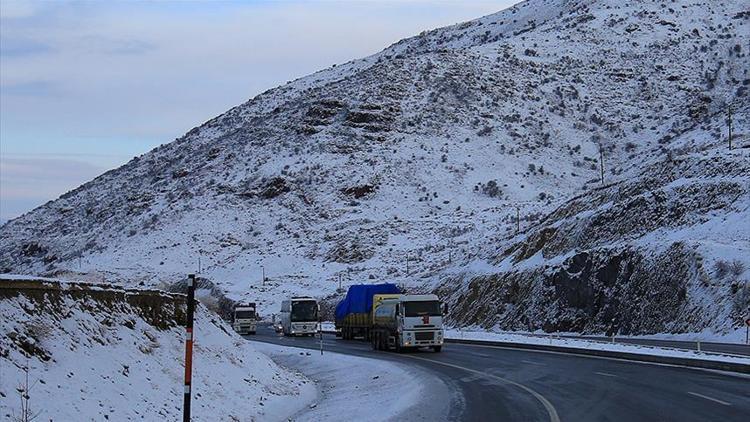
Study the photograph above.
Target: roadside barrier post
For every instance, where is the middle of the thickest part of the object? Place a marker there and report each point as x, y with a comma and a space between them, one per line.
189, 345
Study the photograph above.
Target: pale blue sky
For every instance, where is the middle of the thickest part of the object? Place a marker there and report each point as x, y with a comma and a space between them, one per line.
85, 86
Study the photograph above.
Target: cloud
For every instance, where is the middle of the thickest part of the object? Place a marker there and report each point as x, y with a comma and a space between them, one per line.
15, 9
29, 182
108, 45
15, 47
32, 89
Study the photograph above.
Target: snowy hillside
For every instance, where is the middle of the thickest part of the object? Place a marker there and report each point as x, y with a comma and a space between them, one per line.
664, 252
410, 165
108, 354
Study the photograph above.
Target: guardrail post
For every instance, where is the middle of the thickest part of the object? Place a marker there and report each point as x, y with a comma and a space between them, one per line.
699, 345
189, 345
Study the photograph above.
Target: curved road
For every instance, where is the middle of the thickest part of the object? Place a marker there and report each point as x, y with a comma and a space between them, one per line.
519, 385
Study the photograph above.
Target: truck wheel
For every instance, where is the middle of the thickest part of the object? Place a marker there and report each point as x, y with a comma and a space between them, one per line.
437, 349
374, 342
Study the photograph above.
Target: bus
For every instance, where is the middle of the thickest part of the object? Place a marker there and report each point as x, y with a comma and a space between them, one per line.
299, 316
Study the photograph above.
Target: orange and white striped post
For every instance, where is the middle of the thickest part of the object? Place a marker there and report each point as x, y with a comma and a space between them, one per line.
189, 345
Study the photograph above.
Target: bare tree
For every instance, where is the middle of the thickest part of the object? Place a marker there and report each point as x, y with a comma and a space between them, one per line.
24, 391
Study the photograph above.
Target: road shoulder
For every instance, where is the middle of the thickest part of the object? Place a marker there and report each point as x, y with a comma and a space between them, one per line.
370, 389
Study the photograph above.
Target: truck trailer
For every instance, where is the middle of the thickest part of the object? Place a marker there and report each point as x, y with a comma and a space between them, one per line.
244, 319
354, 312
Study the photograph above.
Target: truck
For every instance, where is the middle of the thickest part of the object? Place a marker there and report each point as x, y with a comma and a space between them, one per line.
244, 319
407, 322
353, 316
299, 316
390, 319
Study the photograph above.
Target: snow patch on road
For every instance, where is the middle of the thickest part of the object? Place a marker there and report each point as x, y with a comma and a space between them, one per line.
371, 389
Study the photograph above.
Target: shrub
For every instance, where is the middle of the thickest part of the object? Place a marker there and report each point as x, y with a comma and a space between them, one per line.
721, 268
492, 189
736, 267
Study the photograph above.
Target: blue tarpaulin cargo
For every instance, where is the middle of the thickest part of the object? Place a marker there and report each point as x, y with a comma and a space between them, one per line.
358, 299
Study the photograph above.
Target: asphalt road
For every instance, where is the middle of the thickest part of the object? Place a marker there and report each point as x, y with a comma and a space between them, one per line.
516, 385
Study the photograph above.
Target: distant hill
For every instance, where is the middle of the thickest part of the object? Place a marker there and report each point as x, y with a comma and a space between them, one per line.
411, 166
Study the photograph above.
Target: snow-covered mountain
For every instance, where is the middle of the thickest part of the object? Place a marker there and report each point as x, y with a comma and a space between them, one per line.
411, 165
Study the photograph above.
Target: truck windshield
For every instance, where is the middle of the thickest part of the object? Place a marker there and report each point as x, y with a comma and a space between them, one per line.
244, 314
414, 309
304, 311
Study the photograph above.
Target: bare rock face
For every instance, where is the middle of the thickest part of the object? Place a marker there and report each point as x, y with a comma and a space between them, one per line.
631, 258
494, 149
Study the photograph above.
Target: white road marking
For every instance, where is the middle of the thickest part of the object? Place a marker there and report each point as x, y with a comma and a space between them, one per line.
534, 363
471, 378
709, 398
606, 374
553, 417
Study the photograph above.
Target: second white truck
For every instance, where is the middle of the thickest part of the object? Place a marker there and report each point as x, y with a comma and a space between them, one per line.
244, 319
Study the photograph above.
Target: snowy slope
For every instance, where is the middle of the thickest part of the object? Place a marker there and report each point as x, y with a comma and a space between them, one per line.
665, 252
408, 165
97, 356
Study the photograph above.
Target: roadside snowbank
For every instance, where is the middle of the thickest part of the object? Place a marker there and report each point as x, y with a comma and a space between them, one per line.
371, 389
94, 357
556, 340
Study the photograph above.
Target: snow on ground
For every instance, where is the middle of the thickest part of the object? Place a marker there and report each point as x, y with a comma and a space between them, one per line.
556, 340
100, 360
371, 389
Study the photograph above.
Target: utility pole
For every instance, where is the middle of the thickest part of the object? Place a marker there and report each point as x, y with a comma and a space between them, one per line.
601, 161
263, 271
320, 328
729, 112
518, 219
450, 250
189, 346
339, 281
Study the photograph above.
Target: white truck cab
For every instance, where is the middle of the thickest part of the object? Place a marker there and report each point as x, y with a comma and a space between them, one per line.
244, 319
408, 321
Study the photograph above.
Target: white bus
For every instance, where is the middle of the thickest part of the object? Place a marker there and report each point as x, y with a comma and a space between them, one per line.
299, 316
